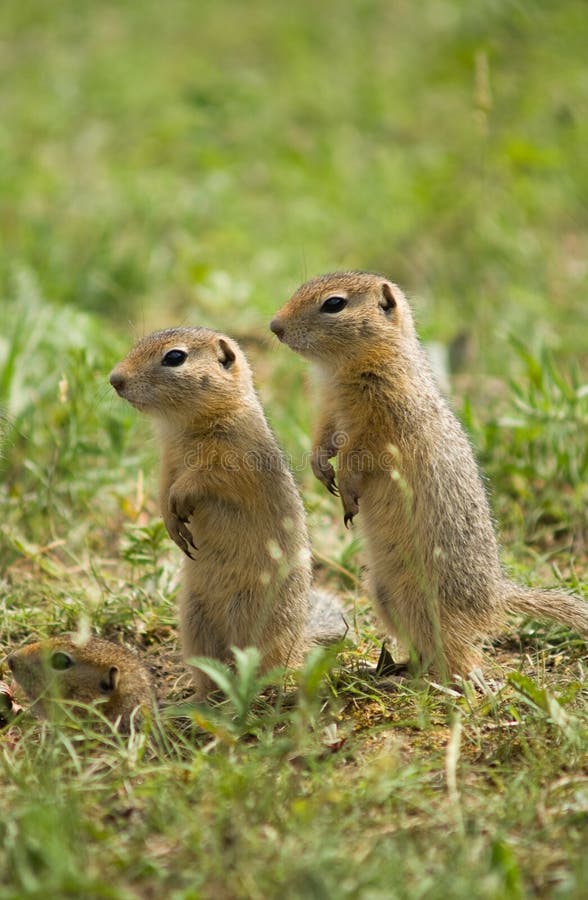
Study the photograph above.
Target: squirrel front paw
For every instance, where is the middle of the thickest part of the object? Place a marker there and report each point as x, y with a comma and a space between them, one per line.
176, 523
349, 488
323, 470
350, 509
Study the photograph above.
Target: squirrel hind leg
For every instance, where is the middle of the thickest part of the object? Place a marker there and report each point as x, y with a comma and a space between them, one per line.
460, 661
199, 638
443, 646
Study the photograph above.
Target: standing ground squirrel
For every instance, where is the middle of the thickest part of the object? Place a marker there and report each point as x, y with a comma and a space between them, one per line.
83, 671
405, 462
227, 498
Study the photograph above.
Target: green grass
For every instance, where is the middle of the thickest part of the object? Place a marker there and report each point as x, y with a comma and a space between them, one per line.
192, 163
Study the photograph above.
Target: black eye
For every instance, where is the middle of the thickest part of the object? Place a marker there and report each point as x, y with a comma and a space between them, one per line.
174, 358
334, 305
60, 661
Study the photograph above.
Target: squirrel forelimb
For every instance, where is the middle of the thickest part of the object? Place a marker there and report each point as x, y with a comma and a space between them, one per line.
322, 468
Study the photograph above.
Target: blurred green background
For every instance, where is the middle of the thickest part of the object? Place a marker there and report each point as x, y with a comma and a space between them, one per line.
195, 161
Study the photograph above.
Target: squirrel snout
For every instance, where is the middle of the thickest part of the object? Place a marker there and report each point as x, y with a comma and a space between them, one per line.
11, 663
277, 328
117, 381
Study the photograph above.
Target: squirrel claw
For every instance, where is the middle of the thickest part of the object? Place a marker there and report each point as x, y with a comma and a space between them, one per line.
181, 535
188, 542
187, 537
188, 554
348, 519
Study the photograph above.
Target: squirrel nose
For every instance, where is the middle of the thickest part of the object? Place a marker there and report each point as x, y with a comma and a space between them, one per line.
10, 661
117, 380
277, 328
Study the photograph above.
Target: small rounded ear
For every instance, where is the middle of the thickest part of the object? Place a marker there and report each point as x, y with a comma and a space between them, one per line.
109, 684
387, 300
226, 355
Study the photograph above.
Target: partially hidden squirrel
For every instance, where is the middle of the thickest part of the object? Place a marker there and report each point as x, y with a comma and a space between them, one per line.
405, 465
229, 502
87, 671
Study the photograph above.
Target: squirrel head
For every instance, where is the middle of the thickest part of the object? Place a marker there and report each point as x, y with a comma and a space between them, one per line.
81, 672
343, 316
184, 372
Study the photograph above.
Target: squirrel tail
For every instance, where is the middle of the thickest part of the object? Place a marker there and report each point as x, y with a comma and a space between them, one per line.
565, 608
327, 623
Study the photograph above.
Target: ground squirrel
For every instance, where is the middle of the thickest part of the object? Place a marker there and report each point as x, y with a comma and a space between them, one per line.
85, 671
404, 462
227, 498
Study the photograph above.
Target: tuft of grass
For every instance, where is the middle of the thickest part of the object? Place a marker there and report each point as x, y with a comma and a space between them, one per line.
534, 449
